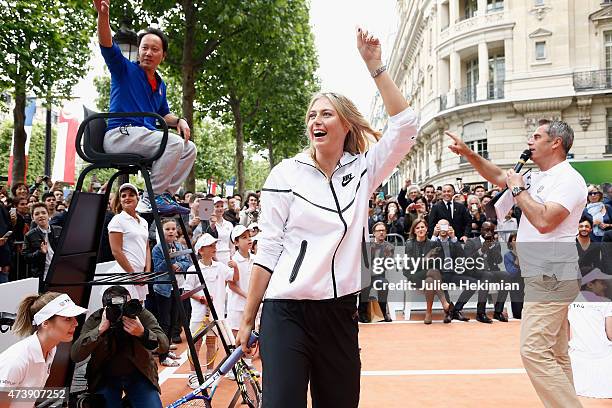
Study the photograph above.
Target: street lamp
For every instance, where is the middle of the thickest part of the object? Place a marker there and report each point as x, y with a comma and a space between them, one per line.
126, 39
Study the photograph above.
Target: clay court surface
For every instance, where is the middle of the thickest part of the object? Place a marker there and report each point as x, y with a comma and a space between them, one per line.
409, 364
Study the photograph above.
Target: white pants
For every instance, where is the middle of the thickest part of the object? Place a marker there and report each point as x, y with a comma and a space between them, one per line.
170, 170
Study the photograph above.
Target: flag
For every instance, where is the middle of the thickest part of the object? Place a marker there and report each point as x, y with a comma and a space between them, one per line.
64, 162
30, 110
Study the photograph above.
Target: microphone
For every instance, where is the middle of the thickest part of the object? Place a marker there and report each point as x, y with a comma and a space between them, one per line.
526, 155
490, 207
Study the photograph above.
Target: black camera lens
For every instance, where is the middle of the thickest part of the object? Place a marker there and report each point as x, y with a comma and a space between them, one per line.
132, 308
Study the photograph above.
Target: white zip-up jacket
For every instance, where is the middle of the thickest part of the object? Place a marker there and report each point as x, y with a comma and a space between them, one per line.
313, 228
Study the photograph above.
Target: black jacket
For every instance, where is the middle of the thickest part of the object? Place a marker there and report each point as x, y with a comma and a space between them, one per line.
31, 248
460, 221
491, 257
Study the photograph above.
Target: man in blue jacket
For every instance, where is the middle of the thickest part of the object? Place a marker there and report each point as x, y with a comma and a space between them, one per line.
137, 87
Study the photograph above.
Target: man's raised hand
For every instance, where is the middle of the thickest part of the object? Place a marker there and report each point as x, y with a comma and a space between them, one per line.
102, 6
457, 147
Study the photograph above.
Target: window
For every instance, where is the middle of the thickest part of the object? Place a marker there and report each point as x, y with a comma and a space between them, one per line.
540, 50
495, 5
479, 146
471, 80
470, 9
497, 76
539, 3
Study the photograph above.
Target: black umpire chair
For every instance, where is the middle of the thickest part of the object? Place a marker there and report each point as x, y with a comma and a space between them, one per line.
73, 268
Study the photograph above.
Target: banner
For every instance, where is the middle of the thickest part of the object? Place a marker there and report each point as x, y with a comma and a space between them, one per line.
64, 162
30, 110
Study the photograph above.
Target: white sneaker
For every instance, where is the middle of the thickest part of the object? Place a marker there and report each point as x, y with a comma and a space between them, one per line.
192, 381
173, 356
169, 363
144, 206
230, 376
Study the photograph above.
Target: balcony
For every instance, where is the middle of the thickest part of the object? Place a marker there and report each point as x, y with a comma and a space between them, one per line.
443, 102
593, 80
495, 18
495, 90
465, 95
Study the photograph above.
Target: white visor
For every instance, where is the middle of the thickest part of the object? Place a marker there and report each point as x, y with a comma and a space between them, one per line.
61, 306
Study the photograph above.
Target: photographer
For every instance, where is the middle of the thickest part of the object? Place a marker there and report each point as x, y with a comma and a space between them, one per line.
250, 213
120, 338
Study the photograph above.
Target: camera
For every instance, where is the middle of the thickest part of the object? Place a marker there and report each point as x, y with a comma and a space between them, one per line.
119, 306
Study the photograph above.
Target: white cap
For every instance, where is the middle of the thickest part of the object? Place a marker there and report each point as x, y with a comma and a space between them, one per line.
216, 199
204, 240
130, 186
237, 231
595, 274
61, 306
253, 225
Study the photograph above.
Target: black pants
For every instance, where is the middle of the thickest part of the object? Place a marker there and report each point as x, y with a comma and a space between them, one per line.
167, 311
309, 340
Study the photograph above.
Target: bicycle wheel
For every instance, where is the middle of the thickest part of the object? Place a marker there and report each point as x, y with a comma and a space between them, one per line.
249, 385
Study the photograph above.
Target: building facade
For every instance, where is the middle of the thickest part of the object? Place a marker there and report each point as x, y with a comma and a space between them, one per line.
489, 69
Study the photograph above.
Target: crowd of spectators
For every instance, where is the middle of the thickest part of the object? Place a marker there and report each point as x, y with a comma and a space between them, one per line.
455, 222
448, 217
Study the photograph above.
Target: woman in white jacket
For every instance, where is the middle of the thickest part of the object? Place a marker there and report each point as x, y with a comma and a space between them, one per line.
314, 224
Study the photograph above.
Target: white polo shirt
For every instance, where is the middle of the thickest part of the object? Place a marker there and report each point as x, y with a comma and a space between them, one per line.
215, 276
553, 253
224, 247
23, 365
588, 325
245, 265
135, 237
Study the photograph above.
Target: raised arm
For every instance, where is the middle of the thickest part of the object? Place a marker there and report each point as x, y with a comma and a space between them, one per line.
370, 50
105, 36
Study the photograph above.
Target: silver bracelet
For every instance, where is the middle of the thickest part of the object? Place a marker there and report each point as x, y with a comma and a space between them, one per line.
379, 71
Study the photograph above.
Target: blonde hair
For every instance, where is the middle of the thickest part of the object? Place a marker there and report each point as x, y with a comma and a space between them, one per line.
28, 307
360, 131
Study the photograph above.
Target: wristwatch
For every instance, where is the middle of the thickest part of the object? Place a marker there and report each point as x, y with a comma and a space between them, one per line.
516, 190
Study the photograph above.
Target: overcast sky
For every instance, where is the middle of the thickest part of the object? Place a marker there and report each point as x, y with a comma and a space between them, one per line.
340, 66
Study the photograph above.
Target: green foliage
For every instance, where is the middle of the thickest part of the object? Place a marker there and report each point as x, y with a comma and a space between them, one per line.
44, 44
36, 156
102, 85
45, 49
215, 146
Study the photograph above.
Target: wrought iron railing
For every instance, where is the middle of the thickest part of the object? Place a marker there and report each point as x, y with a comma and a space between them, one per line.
465, 95
593, 80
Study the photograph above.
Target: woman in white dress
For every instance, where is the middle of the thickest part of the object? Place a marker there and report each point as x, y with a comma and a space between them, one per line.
47, 320
128, 234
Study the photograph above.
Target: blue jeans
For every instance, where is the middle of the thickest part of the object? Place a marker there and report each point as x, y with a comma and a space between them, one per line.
139, 390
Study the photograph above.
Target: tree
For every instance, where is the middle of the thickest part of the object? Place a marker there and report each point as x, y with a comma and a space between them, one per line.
36, 156
45, 48
259, 75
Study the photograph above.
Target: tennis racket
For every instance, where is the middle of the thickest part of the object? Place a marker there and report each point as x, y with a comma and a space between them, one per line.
198, 397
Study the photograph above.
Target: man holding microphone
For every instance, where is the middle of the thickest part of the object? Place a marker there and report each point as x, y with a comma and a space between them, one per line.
552, 203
